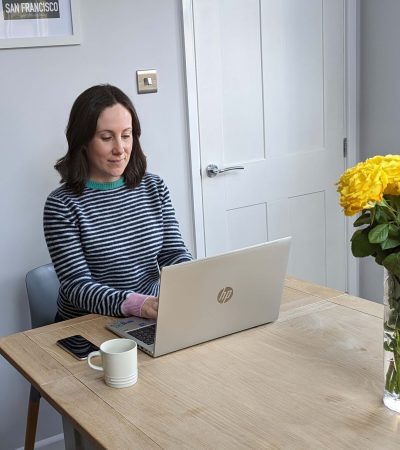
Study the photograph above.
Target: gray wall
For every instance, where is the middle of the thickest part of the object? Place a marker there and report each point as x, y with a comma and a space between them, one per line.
38, 86
379, 102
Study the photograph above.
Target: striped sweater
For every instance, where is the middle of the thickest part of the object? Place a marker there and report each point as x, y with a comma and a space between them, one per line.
110, 242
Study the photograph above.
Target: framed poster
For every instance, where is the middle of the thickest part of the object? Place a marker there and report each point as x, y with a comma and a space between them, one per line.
38, 23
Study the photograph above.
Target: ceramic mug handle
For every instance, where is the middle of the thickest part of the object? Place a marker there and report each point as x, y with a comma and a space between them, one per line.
94, 366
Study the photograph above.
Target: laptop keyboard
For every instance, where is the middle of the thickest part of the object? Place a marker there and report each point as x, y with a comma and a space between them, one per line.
145, 334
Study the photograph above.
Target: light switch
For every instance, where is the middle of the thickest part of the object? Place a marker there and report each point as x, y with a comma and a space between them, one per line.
146, 81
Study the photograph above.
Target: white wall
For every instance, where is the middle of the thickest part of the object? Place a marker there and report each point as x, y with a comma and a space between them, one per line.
379, 103
38, 86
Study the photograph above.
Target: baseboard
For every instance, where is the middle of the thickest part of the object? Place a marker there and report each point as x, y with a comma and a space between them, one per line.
48, 443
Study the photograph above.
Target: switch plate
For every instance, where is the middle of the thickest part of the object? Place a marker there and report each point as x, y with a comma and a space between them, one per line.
146, 81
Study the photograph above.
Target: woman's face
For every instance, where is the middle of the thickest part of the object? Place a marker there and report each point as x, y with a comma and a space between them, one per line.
109, 150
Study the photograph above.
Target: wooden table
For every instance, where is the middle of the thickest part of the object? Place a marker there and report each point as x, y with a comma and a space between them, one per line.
311, 380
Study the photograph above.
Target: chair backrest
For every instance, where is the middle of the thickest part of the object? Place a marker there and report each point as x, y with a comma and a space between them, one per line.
42, 286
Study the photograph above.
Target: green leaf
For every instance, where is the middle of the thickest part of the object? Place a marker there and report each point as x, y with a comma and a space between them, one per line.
381, 215
378, 234
373, 214
360, 245
392, 263
380, 255
394, 201
364, 219
394, 231
390, 243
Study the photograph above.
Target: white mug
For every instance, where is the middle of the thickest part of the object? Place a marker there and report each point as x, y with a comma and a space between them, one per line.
119, 362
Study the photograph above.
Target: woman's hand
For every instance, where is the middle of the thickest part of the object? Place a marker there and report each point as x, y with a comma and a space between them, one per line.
149, 308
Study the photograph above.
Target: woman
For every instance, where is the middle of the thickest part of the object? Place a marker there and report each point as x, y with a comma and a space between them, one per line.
111, 226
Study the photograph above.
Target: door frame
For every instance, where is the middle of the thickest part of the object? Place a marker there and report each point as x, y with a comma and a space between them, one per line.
193, 126
351, 115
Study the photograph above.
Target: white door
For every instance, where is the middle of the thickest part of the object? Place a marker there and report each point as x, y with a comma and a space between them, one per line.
270, 94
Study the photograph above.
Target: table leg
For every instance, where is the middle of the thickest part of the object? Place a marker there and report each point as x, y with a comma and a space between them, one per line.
73, 439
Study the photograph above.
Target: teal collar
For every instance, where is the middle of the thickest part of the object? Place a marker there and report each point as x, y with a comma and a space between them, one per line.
105, 186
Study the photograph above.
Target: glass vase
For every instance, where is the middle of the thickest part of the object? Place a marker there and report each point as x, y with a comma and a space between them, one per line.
391, 340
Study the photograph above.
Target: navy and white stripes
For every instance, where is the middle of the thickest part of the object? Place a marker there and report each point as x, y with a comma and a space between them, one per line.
107, 244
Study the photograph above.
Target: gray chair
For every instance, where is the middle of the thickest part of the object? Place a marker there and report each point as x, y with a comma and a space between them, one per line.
42, 286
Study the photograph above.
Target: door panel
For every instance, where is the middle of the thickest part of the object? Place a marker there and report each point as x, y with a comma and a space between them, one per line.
255, 218
270, 80
293, 65
308, 251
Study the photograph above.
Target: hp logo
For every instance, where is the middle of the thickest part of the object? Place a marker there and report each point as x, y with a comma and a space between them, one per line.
225, 294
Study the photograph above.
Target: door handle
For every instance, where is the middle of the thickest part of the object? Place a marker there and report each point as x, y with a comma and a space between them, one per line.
213, 170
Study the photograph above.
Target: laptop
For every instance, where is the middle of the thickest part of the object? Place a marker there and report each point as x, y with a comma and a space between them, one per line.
208, 298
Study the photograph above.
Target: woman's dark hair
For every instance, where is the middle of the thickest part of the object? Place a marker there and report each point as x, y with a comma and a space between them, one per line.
82, 124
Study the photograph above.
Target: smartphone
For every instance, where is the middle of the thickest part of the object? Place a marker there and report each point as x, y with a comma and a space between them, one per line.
77, 346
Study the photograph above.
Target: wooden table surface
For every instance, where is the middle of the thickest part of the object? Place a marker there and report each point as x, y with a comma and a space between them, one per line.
311, 380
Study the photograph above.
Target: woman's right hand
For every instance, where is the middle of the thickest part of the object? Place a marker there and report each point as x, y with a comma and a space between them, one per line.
149, 308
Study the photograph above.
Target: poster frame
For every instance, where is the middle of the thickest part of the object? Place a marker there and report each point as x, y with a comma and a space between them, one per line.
73, 38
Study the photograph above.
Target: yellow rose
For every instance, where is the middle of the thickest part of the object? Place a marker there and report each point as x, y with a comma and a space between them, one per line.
391, 165
375, 160
362, 186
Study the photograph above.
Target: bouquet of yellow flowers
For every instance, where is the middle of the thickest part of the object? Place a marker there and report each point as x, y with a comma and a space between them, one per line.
372, 188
